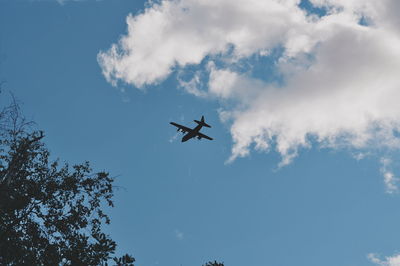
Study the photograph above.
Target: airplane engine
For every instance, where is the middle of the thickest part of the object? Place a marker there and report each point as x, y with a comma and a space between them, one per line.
198, 137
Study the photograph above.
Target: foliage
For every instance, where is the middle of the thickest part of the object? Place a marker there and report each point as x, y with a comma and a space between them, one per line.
50, 214
215, 263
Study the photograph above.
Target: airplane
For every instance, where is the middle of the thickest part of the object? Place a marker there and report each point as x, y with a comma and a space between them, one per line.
193, 133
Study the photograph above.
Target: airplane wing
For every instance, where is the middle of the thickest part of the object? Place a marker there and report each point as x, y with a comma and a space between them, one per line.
180, 127
199, 135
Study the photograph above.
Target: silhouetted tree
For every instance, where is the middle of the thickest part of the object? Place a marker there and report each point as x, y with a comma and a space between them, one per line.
215, 263
50, 214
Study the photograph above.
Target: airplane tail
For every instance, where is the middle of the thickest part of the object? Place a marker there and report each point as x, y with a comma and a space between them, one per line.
202, 123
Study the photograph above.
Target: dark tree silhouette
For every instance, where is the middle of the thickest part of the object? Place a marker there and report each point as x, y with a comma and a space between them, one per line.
215, 263
50, 214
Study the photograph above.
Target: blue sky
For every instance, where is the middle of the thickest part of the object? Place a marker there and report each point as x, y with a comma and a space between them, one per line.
182, 203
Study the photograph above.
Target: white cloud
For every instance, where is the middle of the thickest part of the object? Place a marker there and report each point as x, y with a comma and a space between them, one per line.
388, 176
388, 261
346, 96
192, 86
178, 33
340, 80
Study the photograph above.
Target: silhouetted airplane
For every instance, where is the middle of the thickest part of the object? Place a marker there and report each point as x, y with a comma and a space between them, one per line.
192, 133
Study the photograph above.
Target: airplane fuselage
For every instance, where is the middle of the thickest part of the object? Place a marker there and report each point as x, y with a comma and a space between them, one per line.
192, 133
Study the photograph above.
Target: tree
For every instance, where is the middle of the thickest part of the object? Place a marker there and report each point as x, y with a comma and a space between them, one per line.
215, 263
50, 214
